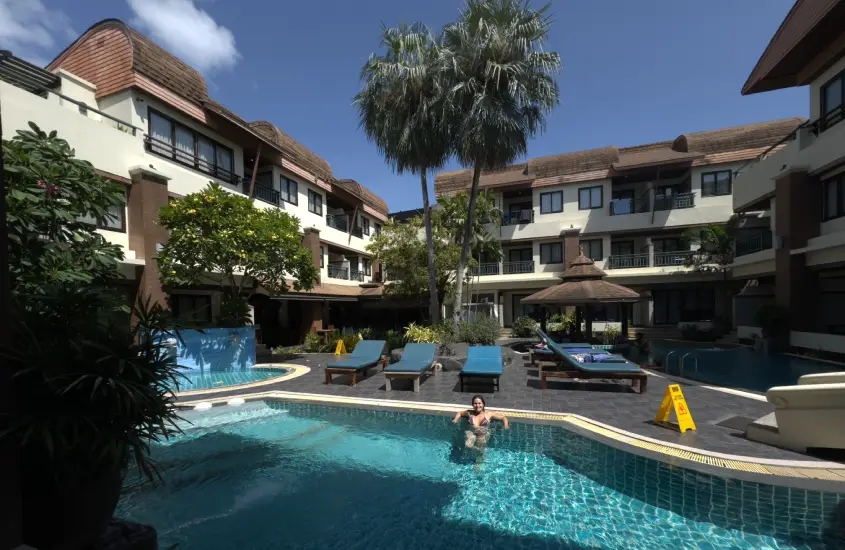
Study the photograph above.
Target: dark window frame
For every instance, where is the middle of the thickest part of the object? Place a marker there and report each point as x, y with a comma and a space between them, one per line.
551, 194
823, 100
377, 229
556, 246
316, 196
174, 302
618, 243
839, 182
365, 225
590, 191
681, 242
715, 190
591, 242
287, 182
367, 264
121, 216
232, 177
521, 251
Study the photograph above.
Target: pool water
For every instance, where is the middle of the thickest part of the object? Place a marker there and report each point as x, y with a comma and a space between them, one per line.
280, 475
203, 380
736, 367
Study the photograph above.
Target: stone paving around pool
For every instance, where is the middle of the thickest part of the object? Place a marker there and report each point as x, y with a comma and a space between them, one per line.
610, 402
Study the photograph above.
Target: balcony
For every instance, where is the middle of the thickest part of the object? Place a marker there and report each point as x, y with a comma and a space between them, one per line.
356, 275
513, 268
621, 207
518, 217
358, 232
676, 259
190, 160
674, 202
754, 243
262, 192
338, 272
628, 261
341, 223
485, 269
829, 120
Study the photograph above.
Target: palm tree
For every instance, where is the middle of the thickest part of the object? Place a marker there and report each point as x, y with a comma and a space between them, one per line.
715, 245
400, 110
500, 85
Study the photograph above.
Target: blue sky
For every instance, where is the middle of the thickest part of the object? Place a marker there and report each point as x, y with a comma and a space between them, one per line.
633, 71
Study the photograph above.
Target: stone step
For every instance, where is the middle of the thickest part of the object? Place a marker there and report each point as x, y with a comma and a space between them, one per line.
764, 430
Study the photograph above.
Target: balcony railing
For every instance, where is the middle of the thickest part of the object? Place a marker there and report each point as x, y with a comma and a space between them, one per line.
358, 232
338, 272
518, 217
341, 223
620, 207
485, 269
170, 151
674, 202
356, 275
665, 259
512, 268
628, 261
262, 192
829, 120
754, 243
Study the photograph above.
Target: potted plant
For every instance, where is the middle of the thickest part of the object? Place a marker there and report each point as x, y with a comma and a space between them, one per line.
91, 393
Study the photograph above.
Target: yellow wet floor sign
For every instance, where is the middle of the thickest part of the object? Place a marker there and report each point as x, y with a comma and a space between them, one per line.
341, 348
674, 398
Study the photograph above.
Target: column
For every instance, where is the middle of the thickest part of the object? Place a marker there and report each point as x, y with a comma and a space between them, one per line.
650, 245
571, 248
147, 194
311, 241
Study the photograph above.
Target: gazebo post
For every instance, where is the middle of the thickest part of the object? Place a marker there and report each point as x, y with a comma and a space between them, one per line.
588, 322
623, 336
578, 319
543, 313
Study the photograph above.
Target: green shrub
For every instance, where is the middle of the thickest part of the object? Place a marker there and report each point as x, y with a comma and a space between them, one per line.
313, 342
419, 334
367, 333
524, 327
611, 334
349, 342
445, 331
395, 339
482, 330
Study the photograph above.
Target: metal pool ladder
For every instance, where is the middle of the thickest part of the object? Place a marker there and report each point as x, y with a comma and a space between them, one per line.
682, 363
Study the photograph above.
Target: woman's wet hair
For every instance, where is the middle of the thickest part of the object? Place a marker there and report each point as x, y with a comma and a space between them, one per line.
483, 402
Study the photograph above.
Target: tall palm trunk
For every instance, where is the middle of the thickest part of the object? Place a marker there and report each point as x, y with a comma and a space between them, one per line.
434, 302
462, 262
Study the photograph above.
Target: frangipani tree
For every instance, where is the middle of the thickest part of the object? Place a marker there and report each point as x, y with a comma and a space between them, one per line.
400, 109
500, 86
219, 237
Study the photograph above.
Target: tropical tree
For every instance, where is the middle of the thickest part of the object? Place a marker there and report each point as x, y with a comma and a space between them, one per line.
402, 251
500, 85
716, 244
54, 203
219, 237
400, 109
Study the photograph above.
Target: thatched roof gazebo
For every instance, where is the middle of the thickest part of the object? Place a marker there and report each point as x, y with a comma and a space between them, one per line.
582, 286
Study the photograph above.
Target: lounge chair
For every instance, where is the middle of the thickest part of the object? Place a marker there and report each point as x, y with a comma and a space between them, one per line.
366, 355
547, 353
415, 361
483, 362
588, 363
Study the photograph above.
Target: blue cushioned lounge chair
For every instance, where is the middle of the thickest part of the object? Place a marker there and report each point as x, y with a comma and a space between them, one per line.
547, 353
366, 355
589, 363
483, 362
415, 361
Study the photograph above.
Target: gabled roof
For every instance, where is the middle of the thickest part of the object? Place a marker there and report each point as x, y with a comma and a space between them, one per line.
368, 197
748, 136
297, 152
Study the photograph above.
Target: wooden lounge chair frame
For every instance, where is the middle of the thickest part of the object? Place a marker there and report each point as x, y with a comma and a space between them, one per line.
415, 376
353, 373
637, 378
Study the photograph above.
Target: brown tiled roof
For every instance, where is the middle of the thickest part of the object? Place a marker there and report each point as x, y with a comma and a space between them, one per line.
574, 162
327, 289
150, 59
574, 293
582, 267
297, 152
368, 197
747, 136
654, 156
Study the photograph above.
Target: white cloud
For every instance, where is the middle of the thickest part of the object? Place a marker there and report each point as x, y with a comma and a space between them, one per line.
188, 32
32, 31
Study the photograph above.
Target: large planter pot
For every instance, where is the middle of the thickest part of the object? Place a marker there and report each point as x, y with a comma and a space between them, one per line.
68, 513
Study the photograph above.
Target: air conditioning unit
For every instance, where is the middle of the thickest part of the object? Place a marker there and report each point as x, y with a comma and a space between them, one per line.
777, 242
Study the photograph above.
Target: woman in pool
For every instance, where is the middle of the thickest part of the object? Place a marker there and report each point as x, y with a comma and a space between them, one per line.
479, 420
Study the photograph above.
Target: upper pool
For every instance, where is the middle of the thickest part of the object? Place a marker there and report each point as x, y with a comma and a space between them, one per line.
293, 475
736, 367
203, 379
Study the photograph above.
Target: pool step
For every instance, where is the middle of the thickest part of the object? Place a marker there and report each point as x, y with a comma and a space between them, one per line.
764, 430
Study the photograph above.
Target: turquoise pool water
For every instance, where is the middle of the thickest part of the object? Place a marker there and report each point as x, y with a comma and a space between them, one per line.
203, 380
290, 475
736, 367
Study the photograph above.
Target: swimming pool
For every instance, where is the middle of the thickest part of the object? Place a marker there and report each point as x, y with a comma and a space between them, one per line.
203, 380
294, 475
736, 367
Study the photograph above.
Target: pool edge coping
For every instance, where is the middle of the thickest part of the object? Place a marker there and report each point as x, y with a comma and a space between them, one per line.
791, 469
295, 372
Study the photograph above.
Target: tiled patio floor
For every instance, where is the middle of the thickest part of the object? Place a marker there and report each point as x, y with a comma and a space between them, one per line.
611, 403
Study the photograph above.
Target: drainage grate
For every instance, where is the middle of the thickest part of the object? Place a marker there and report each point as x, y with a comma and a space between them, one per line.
738, 423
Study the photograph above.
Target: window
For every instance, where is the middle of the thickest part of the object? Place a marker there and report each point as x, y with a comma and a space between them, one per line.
365, 225
551, 202
192, 307
368, 266
624, 248
589, 197
714, 184
834, 198
185, 146
674, 244
551, 253
322, 255
288, 190
593, 249
378, 229
315, 203
520, 255
116, 219
833, 101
